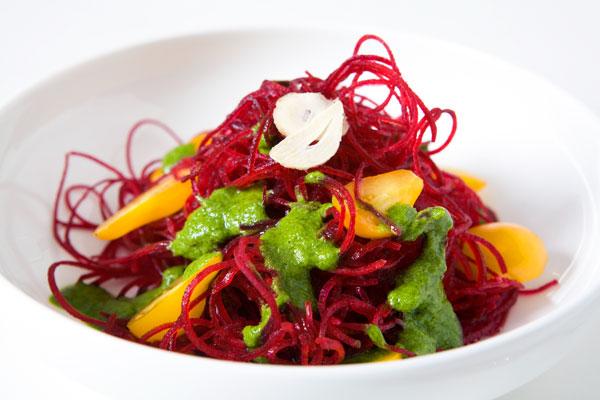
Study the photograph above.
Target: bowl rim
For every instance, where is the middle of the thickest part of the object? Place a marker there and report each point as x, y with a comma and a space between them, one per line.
568, 311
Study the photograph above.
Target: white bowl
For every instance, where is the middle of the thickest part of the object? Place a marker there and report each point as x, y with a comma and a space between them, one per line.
534, 144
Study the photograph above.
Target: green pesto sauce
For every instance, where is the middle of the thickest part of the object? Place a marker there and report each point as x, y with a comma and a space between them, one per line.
281, 297
169, 276
96, 302
431, 326
218, 218
378, 353
429, 320
314, 177
198, 264
263, 146
376, 336
93, 301
252, 333
293, 247
177, 154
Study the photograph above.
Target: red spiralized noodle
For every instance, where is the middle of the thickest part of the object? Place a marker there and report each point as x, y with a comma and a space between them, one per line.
349, 298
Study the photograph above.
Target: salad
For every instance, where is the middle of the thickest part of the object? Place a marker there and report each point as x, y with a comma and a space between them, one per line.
311, 227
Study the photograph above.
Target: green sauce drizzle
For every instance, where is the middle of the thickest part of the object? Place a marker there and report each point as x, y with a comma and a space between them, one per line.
96, 302
376, 336
379, 353
263, 146
429, 320
314, 177
170, 275
252, 333
218, 218
198, 264
177, 154
293, 247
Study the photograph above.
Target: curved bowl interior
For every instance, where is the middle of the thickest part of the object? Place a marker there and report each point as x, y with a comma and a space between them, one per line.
534, 146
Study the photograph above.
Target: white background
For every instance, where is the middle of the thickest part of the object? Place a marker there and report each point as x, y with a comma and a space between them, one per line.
558, 40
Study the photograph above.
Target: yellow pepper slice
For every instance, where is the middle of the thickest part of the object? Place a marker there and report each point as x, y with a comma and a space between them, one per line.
160, 201
197, 140
167, 307
382, 191
156, 174
389, 356
523, 251
473, 182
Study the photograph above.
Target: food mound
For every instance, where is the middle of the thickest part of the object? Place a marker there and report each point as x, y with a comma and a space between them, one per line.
310, 227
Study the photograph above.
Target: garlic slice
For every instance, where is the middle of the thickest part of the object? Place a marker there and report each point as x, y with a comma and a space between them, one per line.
304, 120
295, 110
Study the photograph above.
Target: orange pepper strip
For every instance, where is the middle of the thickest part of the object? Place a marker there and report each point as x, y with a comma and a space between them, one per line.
381, 191
156, 174
473, 182
523, 251
164, 199
167, 307
197, 140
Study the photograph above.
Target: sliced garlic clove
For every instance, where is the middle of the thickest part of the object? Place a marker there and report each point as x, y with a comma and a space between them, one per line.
292, 147
297, 151
295, 110
327, 146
